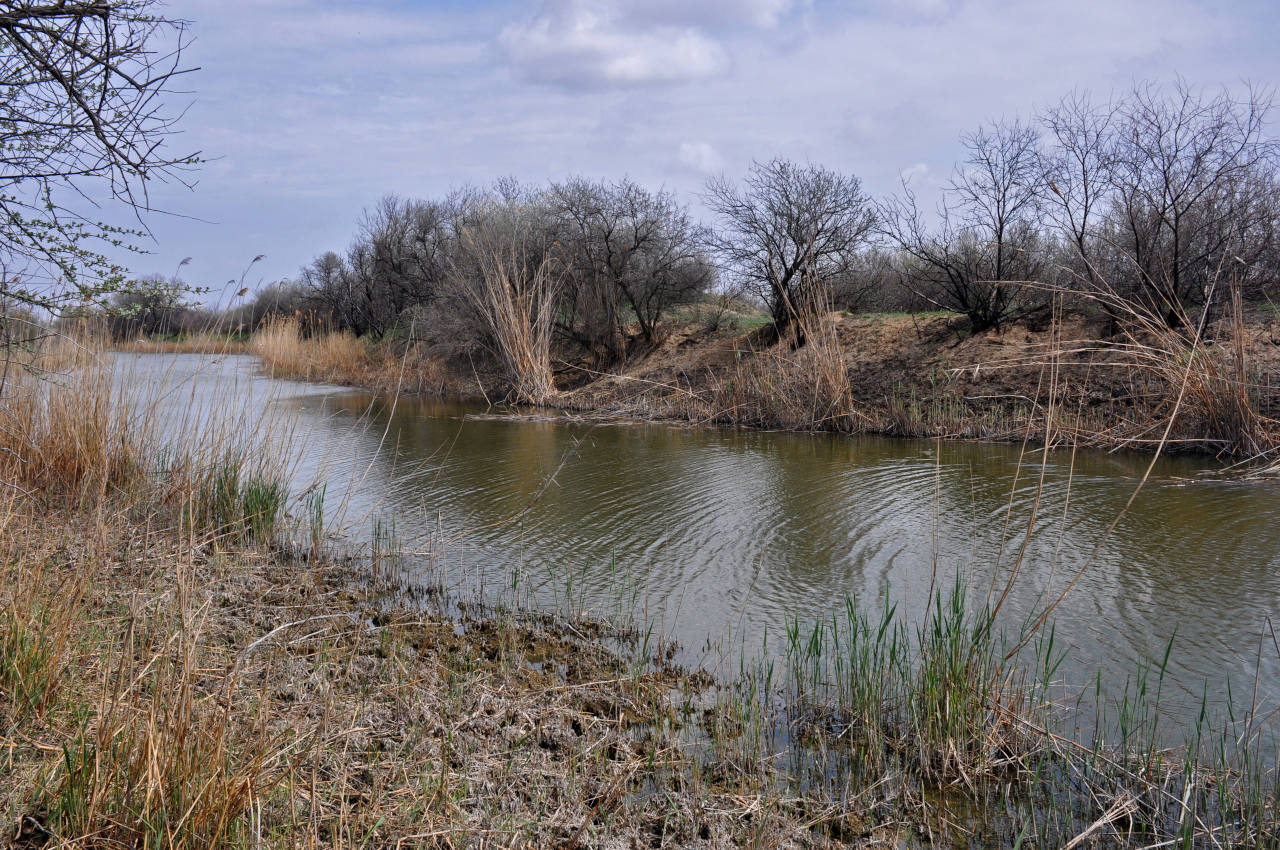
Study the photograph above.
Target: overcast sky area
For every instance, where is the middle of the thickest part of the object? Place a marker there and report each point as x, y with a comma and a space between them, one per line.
311, 110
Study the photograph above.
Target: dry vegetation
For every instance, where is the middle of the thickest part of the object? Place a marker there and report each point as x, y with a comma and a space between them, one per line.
176, 670
906, 375
202, 342
340, 358
171, 677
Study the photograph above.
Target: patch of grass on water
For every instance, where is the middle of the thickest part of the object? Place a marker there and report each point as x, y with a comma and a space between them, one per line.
238, 498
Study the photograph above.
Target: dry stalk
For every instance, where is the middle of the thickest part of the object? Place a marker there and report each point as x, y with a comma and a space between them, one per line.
514, 295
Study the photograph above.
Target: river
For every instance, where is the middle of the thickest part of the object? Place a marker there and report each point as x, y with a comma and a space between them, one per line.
718, 536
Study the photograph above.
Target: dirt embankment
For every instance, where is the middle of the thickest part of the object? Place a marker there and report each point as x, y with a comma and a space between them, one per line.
1075, 378
929, 376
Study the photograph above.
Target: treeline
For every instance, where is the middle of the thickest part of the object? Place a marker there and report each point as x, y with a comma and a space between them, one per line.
1160, 201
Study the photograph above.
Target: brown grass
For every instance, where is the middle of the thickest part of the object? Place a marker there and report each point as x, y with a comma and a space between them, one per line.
340, 358
514, 294
805, 389
69, 432
207, 342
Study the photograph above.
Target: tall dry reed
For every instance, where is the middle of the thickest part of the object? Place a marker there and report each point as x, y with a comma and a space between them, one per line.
1196, 385
285, 353
512, 288
800, 384
340, 358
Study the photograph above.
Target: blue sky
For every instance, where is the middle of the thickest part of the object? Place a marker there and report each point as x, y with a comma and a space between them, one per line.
309, 111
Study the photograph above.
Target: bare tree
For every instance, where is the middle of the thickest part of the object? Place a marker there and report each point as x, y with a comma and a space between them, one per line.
987, 244
399, 259
789, 227
1192, 177
1077, 175
86, 111
622, 246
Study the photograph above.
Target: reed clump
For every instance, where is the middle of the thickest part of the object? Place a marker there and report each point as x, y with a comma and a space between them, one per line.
70, 432
800, 384
511, 284
284, 352
203, 342
953, 730
337, 357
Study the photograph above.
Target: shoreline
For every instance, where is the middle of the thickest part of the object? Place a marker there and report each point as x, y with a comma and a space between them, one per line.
307, 700
888, 375
182, 665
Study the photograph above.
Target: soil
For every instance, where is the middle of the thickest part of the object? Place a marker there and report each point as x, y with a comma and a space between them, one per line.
928, 375
353, 720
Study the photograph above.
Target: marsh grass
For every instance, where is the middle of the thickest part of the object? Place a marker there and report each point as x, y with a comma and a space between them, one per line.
340, 358
238, 495
163, 683
203, 342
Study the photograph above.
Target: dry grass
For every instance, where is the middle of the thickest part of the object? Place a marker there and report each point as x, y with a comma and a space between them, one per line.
514, 294
805, 389
69, 432
207, 342
340, 358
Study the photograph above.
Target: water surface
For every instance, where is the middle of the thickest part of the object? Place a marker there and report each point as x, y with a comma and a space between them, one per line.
718, 536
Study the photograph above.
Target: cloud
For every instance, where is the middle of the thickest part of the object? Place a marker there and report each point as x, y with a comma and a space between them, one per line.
590, 45
918, 173
310, 110
717, 15
700, 157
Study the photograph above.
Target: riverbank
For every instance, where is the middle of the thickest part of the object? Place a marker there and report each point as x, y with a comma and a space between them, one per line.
170, 690
1070, 379
166, 694
181, 664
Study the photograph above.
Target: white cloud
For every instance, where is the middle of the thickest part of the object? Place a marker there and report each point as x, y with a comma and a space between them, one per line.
712, 14
584, 45
700, 157
916, 174
310, 109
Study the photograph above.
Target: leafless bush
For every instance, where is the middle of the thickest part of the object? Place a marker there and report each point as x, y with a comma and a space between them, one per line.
988, 241
1159, 191
624, 249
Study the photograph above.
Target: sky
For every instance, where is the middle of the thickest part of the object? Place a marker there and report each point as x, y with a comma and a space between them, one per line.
308, 111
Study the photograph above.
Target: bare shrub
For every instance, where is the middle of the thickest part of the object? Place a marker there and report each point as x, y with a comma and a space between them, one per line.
626, 254
988, 241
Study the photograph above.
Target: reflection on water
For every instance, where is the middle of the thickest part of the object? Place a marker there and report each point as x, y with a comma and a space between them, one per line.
727, 533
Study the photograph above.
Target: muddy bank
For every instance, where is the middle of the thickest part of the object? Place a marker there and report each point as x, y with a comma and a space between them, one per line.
928, 376
197, 693
1076, 377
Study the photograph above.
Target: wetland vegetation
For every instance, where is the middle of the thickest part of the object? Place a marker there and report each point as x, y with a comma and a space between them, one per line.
198, 649
191, 658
